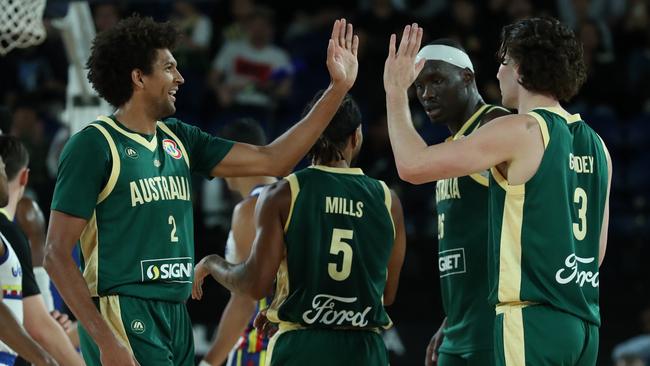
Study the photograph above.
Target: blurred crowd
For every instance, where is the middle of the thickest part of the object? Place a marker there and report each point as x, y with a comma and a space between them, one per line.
265, 60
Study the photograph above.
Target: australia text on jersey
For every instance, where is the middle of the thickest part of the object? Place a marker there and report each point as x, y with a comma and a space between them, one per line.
146, 190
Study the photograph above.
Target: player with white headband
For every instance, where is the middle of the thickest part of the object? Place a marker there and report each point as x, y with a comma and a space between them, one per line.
447, 90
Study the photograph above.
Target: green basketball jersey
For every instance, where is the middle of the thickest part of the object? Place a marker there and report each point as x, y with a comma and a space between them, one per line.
136, 193
545, 234
462, 206
339, 237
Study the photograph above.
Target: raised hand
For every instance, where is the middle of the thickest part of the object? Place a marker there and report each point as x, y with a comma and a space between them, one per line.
342, 49
400, 69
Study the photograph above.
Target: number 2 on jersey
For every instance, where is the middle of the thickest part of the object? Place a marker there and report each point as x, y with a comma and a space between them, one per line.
172, 236
580, 229
339, 246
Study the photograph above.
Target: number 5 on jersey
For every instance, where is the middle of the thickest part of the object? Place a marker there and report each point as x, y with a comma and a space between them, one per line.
339, 246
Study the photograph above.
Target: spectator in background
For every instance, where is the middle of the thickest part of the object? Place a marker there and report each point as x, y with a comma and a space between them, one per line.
106, 15
250, 76
192, 50
635, 351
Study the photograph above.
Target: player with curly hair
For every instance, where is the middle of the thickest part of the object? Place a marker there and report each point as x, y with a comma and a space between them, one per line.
123, 191
550, 176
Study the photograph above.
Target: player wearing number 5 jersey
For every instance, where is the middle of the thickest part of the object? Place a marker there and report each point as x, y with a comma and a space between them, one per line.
124, 192
548, 193
335, 237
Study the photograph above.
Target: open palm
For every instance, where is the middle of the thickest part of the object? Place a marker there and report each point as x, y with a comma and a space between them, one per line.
342, 61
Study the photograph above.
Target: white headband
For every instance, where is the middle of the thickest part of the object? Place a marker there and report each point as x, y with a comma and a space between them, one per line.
447, 54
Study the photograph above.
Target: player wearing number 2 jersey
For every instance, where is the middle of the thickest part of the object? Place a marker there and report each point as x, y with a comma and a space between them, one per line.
548, 193
336, 239
124, 192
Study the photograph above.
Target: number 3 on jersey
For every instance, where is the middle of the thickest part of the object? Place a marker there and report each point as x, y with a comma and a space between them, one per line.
339, 246
172, 236
580, 198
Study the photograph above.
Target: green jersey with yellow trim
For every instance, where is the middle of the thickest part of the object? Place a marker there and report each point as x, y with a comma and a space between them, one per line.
545, 234
462, 205
136, 193
339, 237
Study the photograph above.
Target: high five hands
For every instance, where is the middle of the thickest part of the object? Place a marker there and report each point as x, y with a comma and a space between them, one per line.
342, 50
400, 69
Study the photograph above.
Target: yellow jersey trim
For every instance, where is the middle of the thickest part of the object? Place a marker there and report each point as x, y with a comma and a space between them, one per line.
115, 169
331, 169
281, 291
294, 186
110, 309
89, 245
543, 127
168, 131
509, 286
6, 214
150, 145
388, 201
469, 122
480, 179
569, 118
503, 182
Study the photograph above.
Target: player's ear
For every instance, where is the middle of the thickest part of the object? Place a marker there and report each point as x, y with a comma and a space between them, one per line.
136, 78
468, 76
23, 176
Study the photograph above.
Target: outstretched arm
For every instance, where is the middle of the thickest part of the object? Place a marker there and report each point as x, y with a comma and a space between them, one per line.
255, 276
240, 308
280, 156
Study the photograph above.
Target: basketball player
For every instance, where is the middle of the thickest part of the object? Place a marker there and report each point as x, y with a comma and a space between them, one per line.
236, 338
548, 191
335, 237
123, 190
446, 88
14, 340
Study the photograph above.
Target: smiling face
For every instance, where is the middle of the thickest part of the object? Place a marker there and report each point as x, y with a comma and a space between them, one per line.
442, 91
162, 84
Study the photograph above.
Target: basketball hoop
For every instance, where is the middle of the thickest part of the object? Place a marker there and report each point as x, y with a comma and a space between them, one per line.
21, 24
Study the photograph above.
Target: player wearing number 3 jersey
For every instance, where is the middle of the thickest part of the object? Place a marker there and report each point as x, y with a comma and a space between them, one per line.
548, 192
335, 237
124, 192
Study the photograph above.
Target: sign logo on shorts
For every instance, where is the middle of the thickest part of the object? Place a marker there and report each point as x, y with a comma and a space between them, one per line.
177, 269
451, 262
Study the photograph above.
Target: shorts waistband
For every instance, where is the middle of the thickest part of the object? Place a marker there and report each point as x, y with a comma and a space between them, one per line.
506, 306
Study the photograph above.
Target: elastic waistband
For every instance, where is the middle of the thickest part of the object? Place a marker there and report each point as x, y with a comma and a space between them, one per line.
506, 306
287, 326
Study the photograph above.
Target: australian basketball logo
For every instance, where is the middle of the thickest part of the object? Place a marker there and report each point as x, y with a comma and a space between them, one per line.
572, 273
324, 311
172, 149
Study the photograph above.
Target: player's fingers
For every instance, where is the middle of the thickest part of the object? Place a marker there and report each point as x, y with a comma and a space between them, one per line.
335, 30
419, 66
355, 44
418, 41
412, 43
348, 37
342, 30
391, 46
403, 44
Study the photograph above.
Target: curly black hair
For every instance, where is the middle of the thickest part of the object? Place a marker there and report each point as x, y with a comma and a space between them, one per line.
130, 44
548, 55
329, 146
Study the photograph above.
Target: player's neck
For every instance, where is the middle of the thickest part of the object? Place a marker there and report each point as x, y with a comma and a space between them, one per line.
529, 101
136, 118
10, 209
245, 185
473, 104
